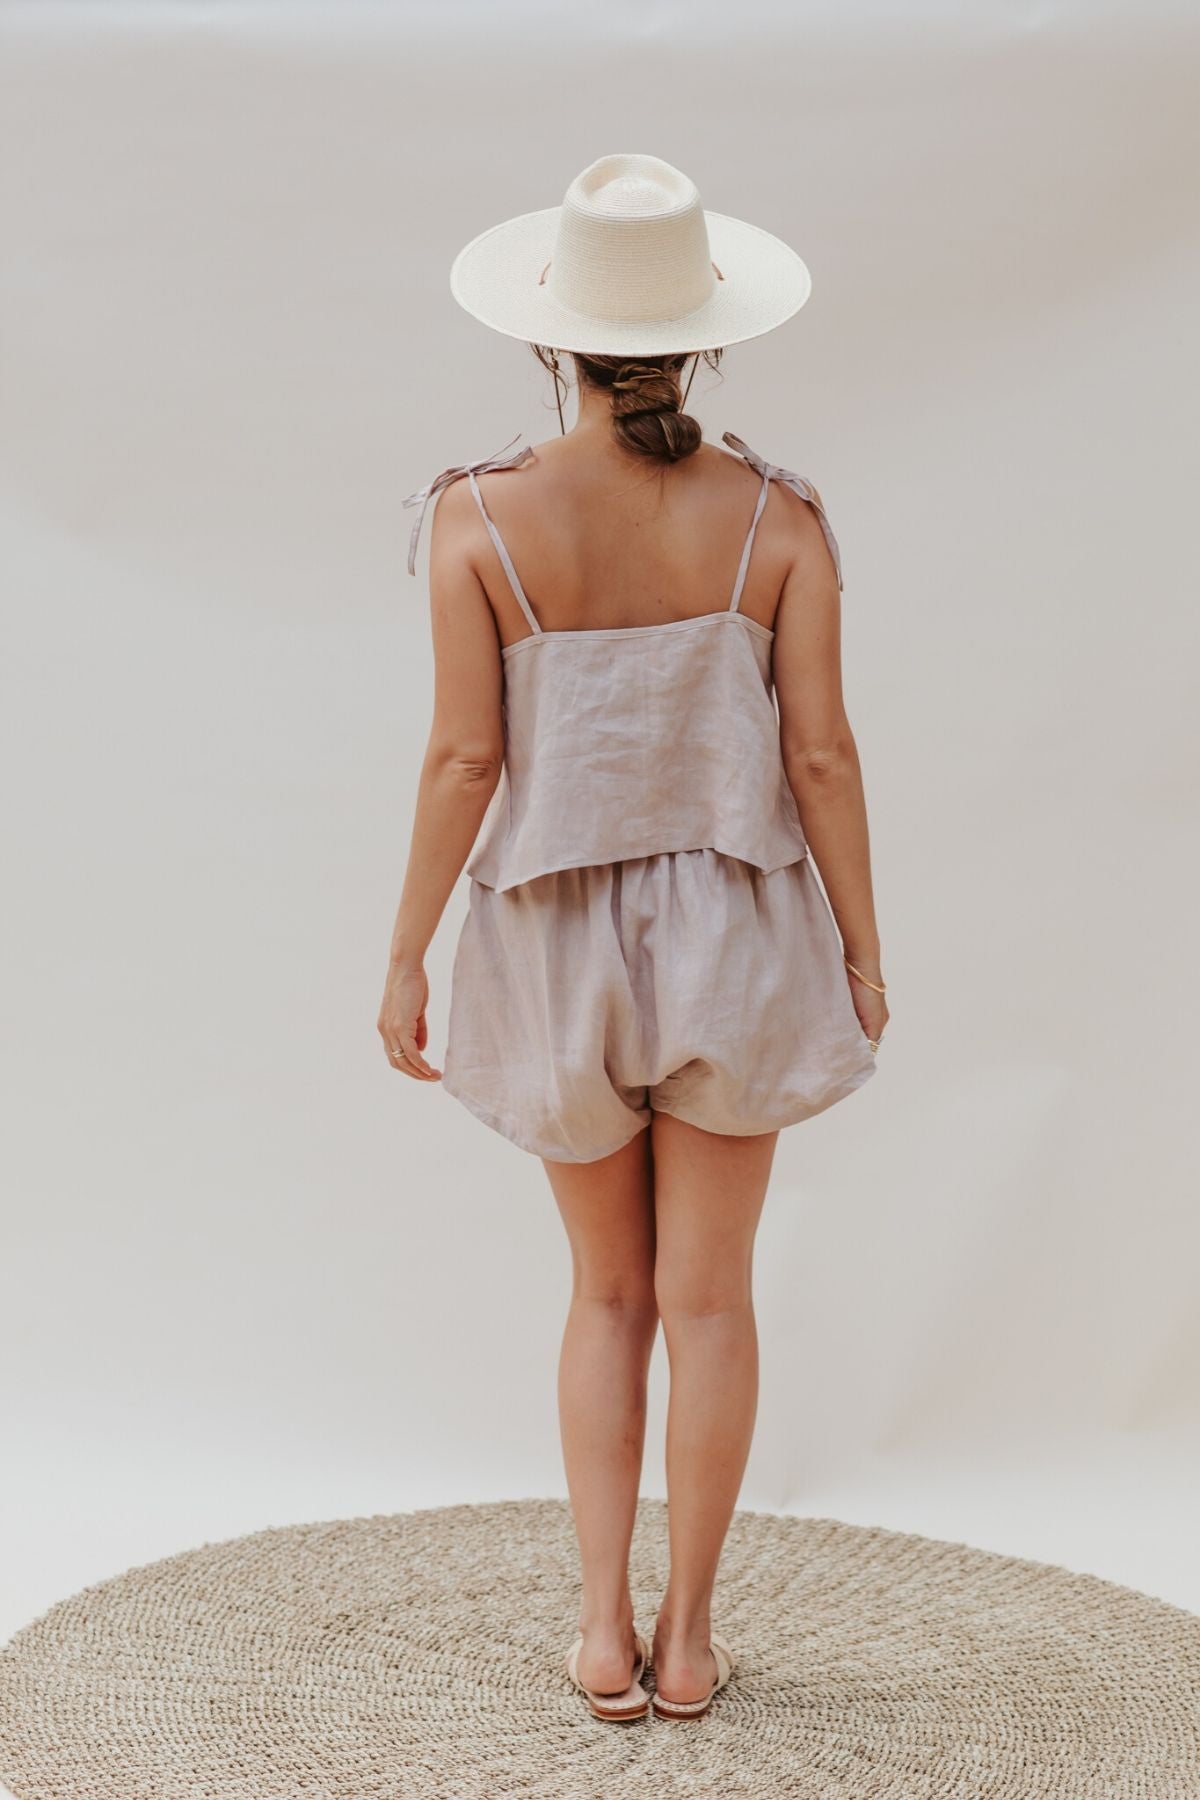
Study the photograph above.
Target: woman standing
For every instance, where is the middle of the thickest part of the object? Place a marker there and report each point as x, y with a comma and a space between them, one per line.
638, 698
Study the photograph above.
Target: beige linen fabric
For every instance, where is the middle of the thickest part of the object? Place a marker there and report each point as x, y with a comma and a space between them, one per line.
644, 930
687, 982
628, 742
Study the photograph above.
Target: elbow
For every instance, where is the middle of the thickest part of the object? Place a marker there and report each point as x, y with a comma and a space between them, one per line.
469, 766
480, 769
821, 765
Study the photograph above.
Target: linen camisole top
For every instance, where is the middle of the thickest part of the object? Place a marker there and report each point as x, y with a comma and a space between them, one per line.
624, 742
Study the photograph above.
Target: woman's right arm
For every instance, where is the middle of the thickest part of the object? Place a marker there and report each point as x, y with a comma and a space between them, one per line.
820, 756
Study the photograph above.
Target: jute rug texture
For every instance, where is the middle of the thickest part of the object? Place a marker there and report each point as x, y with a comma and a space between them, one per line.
419, 1657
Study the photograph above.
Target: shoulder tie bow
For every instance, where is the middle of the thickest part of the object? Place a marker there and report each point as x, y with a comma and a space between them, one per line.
799, 484
424, 495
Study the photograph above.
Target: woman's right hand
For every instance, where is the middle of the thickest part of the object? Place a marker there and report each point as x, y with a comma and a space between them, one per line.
402, 1024
871, 1007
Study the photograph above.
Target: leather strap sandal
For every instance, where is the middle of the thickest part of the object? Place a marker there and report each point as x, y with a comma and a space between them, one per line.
695, 1709
634, 1703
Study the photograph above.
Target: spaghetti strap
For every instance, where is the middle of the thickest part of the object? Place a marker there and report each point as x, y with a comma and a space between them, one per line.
514, 580
424, 495
740, 583
799, 485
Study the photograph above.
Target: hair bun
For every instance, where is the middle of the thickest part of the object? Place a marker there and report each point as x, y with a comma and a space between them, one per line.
642, 388
645, 397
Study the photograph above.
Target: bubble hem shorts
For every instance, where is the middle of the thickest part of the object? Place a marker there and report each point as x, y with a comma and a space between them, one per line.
689, 982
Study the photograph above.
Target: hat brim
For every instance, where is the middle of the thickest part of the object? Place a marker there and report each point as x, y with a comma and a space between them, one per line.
495, 278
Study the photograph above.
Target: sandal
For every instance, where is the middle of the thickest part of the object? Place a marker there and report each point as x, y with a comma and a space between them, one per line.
632, 1703
695, 1709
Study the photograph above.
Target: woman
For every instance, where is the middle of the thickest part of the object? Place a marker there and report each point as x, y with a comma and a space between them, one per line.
649, 983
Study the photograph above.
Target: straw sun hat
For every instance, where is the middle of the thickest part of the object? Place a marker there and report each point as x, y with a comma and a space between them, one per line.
630, 261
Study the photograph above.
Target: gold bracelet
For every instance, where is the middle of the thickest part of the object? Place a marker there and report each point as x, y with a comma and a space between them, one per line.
879, 986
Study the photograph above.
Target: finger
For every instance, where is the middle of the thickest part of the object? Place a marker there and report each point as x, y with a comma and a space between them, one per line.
397, 1058
414, 1060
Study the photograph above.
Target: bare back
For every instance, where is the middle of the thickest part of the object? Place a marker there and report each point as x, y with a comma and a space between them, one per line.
607, 540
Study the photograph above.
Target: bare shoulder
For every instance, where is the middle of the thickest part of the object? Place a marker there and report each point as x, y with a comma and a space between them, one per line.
733, 472
455, 531
784, 508
792, 526
506, 491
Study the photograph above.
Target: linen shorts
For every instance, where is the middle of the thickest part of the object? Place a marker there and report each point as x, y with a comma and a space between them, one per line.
687, 982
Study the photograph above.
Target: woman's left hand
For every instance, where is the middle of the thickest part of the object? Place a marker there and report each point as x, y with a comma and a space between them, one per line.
402, 1023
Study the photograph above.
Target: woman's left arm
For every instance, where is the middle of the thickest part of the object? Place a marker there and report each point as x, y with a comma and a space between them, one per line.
462, 765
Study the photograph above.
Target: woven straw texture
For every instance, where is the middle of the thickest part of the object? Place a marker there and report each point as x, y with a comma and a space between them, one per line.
419, 1657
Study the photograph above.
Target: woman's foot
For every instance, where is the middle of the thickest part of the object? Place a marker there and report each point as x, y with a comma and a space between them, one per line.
608, 1657
684, 1665
626, 1699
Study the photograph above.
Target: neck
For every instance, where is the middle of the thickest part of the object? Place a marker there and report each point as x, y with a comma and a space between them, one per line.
594, 439
593, 419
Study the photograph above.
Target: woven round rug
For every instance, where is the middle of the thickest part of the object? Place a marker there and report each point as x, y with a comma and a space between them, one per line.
419, 1657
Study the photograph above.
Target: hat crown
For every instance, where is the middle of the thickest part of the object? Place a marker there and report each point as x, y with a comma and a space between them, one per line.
631, 186
632, 242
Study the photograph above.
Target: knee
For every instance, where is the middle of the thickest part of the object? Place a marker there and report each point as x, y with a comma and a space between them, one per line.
686, 1298
626, 1300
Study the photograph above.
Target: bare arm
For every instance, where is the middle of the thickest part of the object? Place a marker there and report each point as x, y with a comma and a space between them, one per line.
820, 755
463, 760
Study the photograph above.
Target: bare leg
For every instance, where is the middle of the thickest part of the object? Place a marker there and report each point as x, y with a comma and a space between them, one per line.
608, 1210
708, 1195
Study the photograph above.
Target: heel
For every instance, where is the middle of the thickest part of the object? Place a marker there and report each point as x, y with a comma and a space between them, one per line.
696, 1709
634, 1703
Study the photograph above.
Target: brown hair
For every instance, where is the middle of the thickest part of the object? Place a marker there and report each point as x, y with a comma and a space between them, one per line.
645, 396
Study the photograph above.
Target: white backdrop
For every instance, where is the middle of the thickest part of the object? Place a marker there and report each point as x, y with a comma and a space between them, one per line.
250, 1276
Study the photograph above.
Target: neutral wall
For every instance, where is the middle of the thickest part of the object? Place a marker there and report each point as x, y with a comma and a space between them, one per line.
250, 1275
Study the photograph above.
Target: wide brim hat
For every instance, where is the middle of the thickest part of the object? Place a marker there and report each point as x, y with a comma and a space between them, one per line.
630, 262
